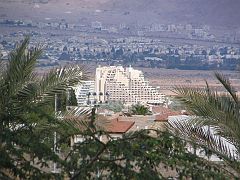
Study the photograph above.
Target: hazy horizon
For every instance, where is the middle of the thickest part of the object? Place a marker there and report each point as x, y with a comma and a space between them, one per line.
215, 13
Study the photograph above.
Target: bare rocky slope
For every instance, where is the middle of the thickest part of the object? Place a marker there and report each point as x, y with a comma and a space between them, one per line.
212, 12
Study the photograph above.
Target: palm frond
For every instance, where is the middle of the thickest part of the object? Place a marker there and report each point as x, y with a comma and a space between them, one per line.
194, 131
2, 71
227, 85
22, 62
54, 82
58, 80
76, 112
217, 121
79, 120
219, 109
2, 68
20, 68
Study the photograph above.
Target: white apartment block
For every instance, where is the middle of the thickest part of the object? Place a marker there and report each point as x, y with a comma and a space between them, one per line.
127, 85
84, 93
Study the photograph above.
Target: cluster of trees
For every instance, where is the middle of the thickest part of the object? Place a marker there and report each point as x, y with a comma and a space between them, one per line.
115, 106
139, 109
28, 123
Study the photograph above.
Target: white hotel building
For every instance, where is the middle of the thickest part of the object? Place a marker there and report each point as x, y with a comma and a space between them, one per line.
84, 93
127, 85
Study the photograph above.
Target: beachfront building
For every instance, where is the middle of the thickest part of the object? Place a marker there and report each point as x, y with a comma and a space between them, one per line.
85, 93
126, 85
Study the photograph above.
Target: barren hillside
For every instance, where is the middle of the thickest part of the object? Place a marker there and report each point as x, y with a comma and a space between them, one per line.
213, 12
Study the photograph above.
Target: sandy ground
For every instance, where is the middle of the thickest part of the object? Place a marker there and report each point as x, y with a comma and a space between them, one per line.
167, 79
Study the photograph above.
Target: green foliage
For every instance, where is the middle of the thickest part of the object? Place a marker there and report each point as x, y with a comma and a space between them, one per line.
139, 109
115, 106
27, 120
66, 98
216, 111
137, 155
176, 105
72, 98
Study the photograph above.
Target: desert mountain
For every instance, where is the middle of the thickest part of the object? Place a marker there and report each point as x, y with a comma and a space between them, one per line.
211, 12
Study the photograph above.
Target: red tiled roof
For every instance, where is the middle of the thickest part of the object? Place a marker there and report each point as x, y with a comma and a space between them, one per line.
160, 109
116, 126
164, 117
161, 117
162, 113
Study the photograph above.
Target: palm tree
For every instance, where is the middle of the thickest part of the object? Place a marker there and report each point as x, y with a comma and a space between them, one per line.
26, 115
72, 98
107, 94
95, 100
88, 98
216, 124
100, 94
139, 109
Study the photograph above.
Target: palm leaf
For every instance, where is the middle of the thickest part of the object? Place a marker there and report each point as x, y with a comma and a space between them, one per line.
2, 68
227, 85
218, 111
54, 82
193, 131
78, 120
20, 67
222, 110
59, 80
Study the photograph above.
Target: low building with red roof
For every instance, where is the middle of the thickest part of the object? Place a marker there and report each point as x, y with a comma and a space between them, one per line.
164, 117
116, 128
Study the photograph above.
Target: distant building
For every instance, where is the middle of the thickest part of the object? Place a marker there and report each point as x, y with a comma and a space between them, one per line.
97, 25
157, 27
189, 27
122, 26
84, 93
125, 85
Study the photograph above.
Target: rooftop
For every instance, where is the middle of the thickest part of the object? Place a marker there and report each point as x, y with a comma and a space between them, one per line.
164, 117
116, 126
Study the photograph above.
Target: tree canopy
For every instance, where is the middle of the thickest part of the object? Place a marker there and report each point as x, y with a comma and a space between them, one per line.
139, 109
